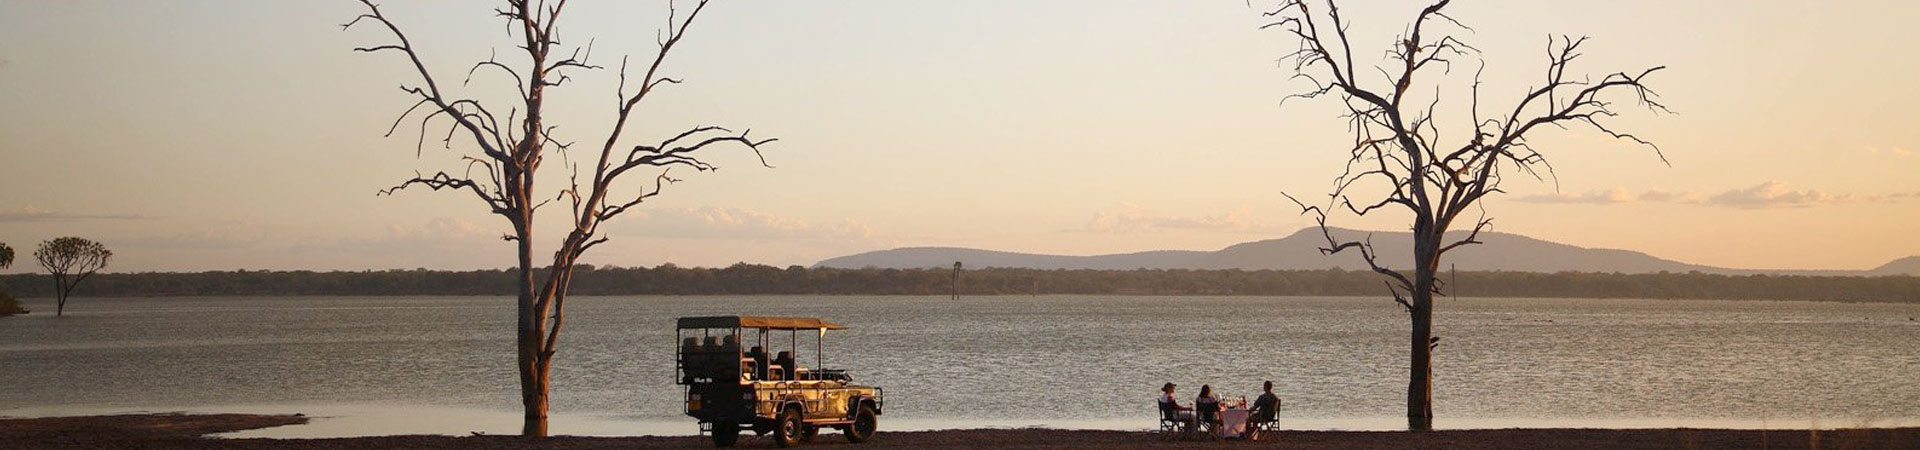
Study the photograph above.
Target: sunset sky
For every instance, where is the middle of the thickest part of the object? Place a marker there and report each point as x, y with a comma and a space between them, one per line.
220, 135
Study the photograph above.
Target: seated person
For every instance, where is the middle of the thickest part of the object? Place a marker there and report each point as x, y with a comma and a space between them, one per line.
785, 362
759, 356
1170, 408
1264, 409
1206, 406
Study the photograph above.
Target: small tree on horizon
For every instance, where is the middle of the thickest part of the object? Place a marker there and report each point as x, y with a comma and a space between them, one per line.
1397, 146
509, 147
70, 260
8, 306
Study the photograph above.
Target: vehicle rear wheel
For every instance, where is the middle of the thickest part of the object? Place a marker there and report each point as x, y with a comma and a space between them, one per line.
725, 434
865, 421
786, 433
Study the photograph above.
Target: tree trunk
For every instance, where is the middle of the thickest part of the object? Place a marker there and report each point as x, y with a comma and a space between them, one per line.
60, 293
533, 390
533, 378
1420, 344
1420, 368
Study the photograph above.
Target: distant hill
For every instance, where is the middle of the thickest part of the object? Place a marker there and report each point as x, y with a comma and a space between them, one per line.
1904, 266
937, 257
1300, 251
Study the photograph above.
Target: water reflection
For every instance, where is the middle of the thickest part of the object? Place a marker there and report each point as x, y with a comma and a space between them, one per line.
1066, 361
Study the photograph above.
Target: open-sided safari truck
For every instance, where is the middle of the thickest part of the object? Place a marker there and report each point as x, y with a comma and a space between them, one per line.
733, 387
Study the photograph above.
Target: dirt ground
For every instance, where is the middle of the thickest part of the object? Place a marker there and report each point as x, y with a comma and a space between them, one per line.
184, 431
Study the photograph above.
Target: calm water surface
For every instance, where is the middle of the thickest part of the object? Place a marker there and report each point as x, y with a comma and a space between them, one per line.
381, 365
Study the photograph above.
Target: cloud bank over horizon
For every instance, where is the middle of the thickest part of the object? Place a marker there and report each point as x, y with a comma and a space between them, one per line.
1766, 195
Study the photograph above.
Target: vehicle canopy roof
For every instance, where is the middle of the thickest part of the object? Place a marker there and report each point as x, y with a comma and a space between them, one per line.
759, 322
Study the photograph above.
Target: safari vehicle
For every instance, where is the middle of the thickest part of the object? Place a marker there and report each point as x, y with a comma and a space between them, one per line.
731, 387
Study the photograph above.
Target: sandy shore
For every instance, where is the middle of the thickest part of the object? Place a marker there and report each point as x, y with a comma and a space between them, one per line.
187, 431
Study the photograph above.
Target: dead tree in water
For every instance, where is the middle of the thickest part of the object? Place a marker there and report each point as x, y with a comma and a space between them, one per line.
507, 150
1397, 147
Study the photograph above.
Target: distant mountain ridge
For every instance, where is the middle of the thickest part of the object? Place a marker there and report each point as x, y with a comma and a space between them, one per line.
925, 257
1904, 266
1300, 251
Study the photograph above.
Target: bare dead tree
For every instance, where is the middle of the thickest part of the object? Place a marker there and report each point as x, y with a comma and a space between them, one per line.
1397, 145
70, 260
508, 150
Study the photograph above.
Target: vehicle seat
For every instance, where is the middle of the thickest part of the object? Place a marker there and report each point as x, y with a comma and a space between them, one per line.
784, 361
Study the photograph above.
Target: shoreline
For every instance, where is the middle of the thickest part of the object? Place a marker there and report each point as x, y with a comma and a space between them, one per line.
1356, 296
355, 420
197, 431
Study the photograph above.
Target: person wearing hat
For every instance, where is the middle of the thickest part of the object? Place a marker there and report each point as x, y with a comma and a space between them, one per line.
1167, 403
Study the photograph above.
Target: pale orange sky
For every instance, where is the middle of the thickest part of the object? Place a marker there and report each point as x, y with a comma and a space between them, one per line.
216, 135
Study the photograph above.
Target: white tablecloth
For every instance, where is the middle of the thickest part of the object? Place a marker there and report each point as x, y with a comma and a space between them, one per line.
1233, 422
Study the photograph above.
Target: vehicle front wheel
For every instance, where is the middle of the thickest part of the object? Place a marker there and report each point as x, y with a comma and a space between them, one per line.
725, 434
786, 432
865, 422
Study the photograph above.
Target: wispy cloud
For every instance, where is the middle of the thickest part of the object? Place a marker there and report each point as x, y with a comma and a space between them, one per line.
442, 229
1766, 195
1891, 151
1773, 194
708, 236
1131, 218
711, 222
30, 213
1603, 197
233, 235
1660, 196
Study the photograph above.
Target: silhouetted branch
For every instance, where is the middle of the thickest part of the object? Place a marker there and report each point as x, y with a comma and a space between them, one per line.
1335, 246
1398, 143
512, 152
442, 180
431, 93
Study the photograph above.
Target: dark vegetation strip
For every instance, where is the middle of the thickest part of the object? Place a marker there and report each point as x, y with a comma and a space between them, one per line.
749, 279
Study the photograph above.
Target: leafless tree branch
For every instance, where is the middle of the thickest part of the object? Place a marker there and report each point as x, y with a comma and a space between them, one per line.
1399, 146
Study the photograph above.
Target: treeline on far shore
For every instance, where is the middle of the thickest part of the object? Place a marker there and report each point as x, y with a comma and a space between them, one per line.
750, 279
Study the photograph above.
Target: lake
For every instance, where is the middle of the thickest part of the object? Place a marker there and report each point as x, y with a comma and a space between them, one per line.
382, 365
